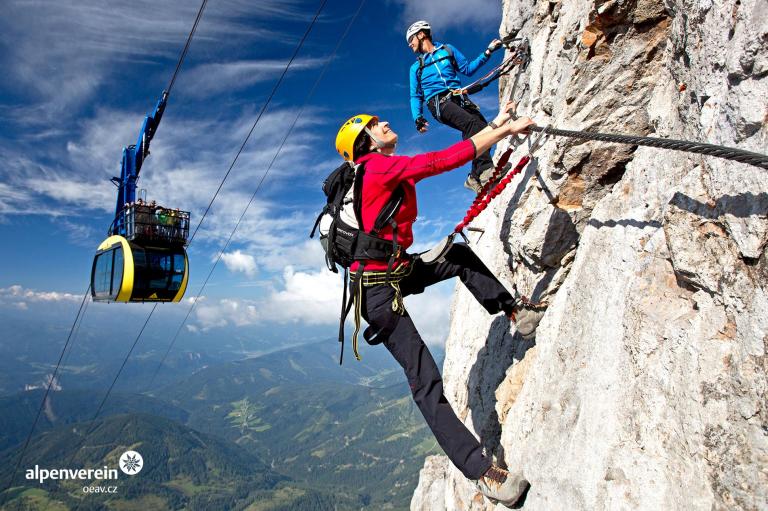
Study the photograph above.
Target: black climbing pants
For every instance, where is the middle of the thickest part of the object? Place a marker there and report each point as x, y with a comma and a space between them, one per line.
466, 119
399, 335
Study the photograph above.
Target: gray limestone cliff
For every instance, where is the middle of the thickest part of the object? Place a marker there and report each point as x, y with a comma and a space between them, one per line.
646, 385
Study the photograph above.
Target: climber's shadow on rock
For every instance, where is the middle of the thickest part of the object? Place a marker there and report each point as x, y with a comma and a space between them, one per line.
742, 205
500, 351
559, 238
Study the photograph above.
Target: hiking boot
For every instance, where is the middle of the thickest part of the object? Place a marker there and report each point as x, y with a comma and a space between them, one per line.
486, 174
502, 487
473, 184
526, 317
477, 183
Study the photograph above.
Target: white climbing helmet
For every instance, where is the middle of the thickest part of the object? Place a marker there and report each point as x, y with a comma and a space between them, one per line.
415, 28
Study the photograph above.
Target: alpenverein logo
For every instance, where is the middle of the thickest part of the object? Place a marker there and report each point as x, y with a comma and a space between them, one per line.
131, 463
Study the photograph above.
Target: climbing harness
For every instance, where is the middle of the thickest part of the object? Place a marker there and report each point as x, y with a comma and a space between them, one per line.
376, 278
728, 153
520, 57
457, 95
345, 241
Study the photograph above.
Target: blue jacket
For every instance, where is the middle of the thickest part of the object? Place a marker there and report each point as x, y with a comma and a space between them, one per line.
439, 74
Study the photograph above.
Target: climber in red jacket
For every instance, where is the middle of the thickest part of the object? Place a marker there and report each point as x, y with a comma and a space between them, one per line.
366, 140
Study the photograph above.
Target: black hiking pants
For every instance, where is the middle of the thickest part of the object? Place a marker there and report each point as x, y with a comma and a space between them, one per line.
466, 119
399, 335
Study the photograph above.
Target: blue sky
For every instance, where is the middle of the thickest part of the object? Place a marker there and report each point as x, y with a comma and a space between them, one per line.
78, 78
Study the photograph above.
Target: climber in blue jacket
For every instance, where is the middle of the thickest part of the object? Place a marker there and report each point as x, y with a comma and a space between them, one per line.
434, 78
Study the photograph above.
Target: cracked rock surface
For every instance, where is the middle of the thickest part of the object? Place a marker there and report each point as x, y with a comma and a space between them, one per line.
646, 385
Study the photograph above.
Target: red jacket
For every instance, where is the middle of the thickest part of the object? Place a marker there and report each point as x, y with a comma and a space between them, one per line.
382, 175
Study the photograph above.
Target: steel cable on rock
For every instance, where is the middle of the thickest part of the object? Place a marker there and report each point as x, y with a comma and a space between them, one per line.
520, 56
728, 153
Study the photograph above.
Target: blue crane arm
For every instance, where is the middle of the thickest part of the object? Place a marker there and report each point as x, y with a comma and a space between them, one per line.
133, 159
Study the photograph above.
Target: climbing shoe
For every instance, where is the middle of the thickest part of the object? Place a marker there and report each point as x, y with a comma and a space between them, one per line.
472, 183
477, 184
502, 487
526, 316
486, 174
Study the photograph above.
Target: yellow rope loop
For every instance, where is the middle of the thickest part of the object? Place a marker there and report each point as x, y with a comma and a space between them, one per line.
398, 306
358, 315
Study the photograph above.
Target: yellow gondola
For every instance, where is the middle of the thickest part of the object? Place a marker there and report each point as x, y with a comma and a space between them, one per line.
125, 272
149, 264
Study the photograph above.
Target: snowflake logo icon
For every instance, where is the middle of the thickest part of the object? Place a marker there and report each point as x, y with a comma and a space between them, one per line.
131, 463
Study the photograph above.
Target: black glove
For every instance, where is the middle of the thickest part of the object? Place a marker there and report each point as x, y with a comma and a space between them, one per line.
421, 122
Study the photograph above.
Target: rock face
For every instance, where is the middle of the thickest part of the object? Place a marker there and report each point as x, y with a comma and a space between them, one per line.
646, 387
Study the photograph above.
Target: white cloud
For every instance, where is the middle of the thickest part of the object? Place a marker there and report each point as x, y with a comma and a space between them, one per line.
80, 234
208, 79
61, 53
237, 261
18, 294
450, 13
431, 310
302, 254
313, 298
308, 298
99, 195
14, 200
226, 311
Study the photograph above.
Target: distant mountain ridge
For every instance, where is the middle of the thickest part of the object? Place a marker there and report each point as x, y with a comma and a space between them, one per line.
18, 411
320, 436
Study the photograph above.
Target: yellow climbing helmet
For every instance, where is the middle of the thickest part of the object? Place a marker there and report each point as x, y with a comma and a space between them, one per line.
348, 133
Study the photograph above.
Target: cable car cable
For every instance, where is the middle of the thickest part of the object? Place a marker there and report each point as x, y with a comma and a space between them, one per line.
301, 43
258, 187
91, 427
258, 118
186, 46
81, 312
77, 332
70, 336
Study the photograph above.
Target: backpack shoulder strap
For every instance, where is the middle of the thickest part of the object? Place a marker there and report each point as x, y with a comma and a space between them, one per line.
357, 194
419, 71
451, 56
389, 210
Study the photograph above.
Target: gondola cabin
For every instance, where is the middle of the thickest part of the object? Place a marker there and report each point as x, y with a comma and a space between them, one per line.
148, 263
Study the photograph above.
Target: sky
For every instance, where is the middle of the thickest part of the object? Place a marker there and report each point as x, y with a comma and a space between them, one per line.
78, 79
